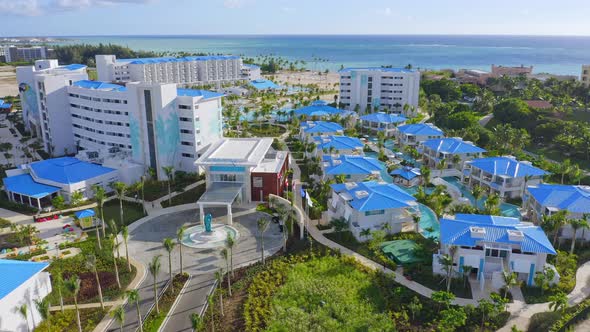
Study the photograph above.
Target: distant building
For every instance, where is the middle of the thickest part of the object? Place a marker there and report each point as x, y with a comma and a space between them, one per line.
491, 245
415, 134
23, 282
499, 71
453, 150
371, 205
263, 85
37, 183
309, 129
332, 144
585, 77
385, 89
382, 122
406, 176
251, 72
473, 76
186, 70
26, 54
321, 110
539, 104
504, 176
353, 168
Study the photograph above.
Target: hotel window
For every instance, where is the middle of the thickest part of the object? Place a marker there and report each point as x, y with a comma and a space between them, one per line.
188, 155
185, 131
374, 212
186, 143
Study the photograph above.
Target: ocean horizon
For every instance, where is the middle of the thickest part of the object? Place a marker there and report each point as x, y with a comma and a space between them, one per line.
547, 54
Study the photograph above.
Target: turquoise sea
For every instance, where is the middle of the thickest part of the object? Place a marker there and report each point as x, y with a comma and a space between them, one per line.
552, 54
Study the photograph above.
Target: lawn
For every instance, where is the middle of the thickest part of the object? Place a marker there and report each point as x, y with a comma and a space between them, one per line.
189, 196
131, 211
155, 189
66, 322
266, 130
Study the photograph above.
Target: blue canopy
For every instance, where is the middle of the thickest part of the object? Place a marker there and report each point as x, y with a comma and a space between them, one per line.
24, 184
84, 213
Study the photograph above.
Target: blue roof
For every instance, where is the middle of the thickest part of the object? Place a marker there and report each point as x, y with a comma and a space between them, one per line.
452, 146
319, 108
421, 129
198, 93
338, 142
67, 170
97, 85
393, 70
370, 196
74, 66
575, 199
25, 185
382, 117
350, 165
312, 127
505, 166
457, 232
84, 213
4, 105
144, 61
263, 84
406, 172
15, 273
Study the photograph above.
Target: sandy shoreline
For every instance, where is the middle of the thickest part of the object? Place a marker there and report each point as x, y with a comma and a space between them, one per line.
325, 81
8, 86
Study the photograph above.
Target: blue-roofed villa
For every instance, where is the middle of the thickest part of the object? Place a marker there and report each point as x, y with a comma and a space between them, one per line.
504, 176
406, 176
417, 133
453, 150
4, 106
22, 283
332, 144
546, 199
386, 123
372, 205
321, 110
490, 245
353, 168
309, 129
37, 183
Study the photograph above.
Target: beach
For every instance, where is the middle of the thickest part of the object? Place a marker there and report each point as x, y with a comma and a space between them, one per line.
8, 86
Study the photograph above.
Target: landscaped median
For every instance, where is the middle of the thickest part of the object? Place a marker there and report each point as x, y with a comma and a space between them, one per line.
154, 320
66, 321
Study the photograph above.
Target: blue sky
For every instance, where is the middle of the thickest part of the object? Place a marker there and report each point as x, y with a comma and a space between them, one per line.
124, 17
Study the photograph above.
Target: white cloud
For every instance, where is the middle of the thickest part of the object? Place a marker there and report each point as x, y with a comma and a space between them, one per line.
39, 7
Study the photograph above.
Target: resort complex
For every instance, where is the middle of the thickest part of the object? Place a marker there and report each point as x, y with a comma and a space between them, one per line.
178, 191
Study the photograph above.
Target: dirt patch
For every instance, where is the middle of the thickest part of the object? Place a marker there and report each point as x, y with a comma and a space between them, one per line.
8, 86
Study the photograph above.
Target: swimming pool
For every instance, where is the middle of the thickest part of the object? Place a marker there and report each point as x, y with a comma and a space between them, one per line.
507, 210
428, 224
384, 174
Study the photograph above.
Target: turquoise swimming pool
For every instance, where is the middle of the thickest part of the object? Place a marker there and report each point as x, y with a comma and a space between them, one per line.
428, 224
507, 210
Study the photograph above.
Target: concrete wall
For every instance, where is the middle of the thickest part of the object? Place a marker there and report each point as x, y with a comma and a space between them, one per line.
35, 288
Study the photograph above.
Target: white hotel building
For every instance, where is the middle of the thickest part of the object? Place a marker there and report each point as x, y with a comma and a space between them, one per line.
150, 124
186, 70
387, 89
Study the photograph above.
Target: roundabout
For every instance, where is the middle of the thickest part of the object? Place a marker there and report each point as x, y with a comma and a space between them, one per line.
199, 238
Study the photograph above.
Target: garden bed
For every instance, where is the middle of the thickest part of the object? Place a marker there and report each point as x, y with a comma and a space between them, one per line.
66, 321
131, 211
154, 320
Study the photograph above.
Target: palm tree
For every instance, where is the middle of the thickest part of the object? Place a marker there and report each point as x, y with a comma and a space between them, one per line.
425, 171
179, 236
142, 187
340, 178
219, 278
23, 310
456, 161
477, 192
73, 287
510, 280
577, 224
466, 272
442, 164
447, 262
564, 168
43, 309
119, 315
169, 170
365, 232
115, 249
262, 224
114, 233
558, 301
125, 234
58, 282
210, 303
100, 196
169, 245
120, 188
154, 267
91, 265
559, 219
196, 322
133, 296
230, 242
225, 256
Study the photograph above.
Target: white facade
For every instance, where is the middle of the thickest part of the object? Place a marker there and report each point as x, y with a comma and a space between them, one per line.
35, 288
43, 92
187, 70
14, 53
387, 89
251, 72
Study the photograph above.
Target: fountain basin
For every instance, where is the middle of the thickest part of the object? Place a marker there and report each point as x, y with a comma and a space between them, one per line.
196, 236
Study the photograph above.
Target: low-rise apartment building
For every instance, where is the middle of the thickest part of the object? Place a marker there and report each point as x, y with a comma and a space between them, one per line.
415, 134
386, 123
452, 152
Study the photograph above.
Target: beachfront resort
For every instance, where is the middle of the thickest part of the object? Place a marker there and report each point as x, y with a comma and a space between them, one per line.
184, 169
